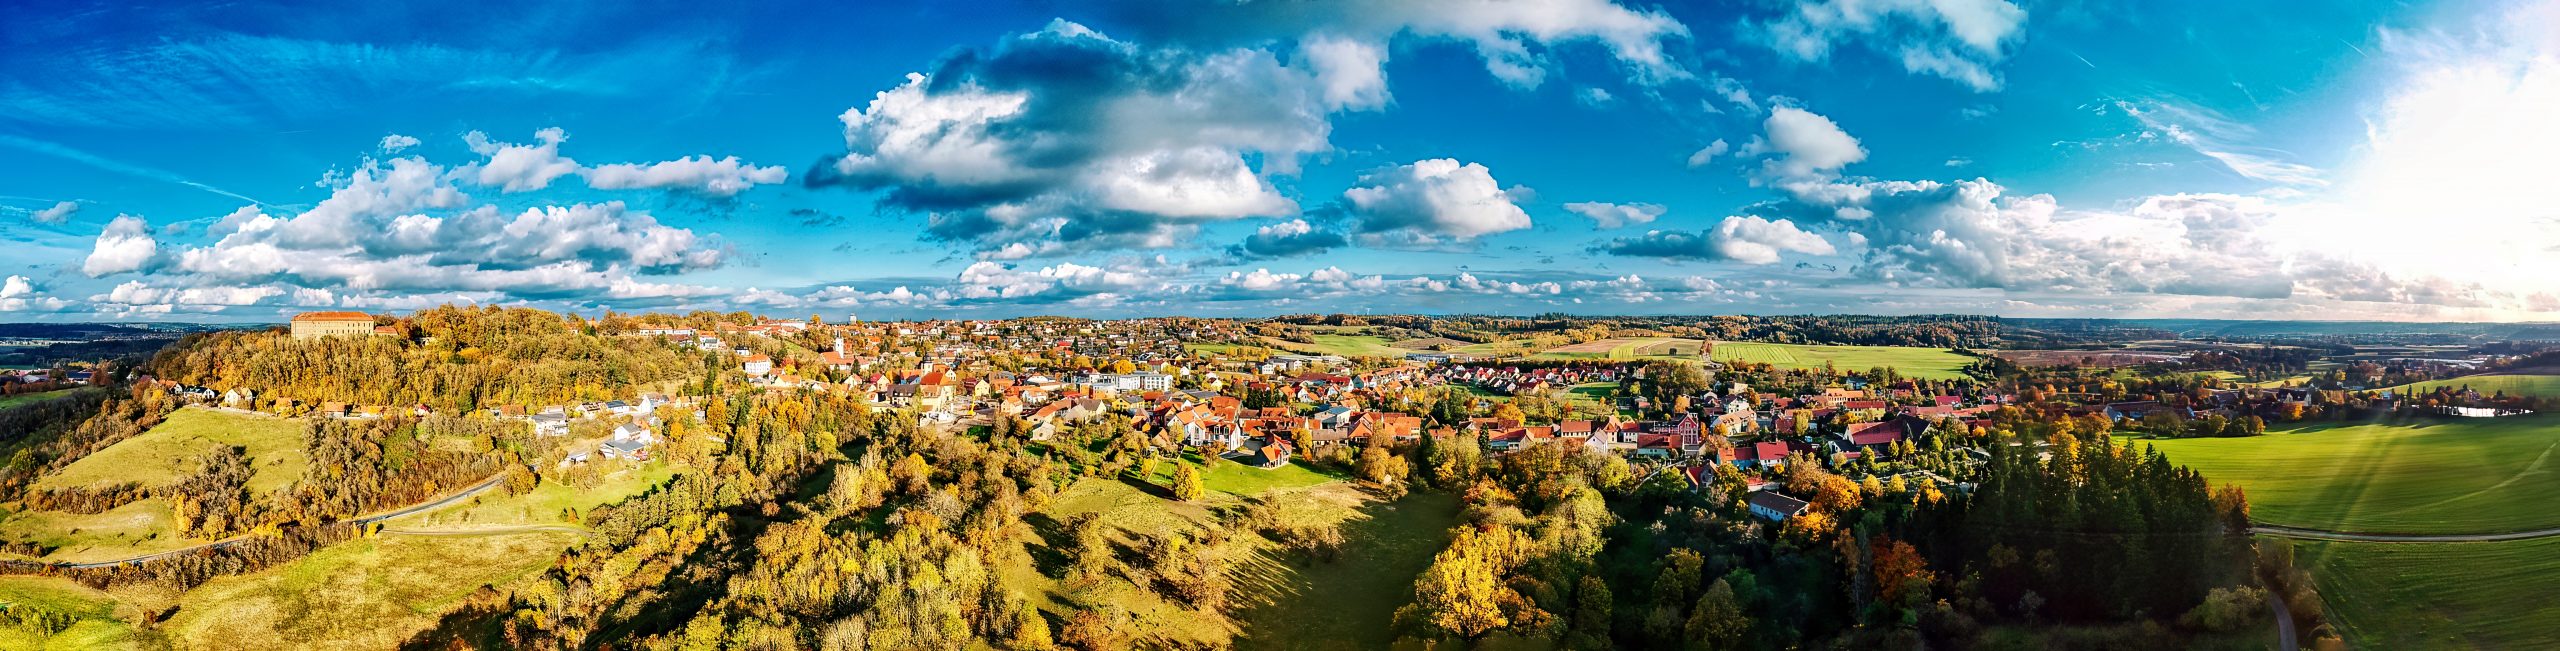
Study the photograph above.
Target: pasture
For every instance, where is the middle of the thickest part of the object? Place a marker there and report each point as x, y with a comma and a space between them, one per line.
147, 526
1911, 362
97, 625
1346, 346
171, 451
2513, 385
2440, 476
1625, 349
2439, 595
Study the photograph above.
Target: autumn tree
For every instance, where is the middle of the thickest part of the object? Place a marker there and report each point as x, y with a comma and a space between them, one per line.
1186, 483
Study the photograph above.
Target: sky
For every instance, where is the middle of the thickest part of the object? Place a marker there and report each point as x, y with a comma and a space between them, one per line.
2094, 158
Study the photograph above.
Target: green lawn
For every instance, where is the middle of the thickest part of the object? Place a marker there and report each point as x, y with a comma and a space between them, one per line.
1924, 363
2440, 596
2514, 385
170, 451
2428, 476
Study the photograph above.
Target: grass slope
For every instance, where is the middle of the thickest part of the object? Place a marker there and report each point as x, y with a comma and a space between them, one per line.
1347, 346
1348, 603
371, 593
2431, 476
2514, 385
545, 504
170, 451
1926, 363
13, 400
143, 527
2440, 596
100, 625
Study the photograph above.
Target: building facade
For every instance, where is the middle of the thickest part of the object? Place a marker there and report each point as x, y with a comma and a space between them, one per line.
314, 325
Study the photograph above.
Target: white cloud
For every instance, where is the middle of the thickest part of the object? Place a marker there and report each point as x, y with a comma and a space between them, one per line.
1960, 40
395, 142
1433, 201
124, 246
2209, 133
1613, 215
518, 168
18, 294
1351, 72
702, 175
57, 214
1808, 145
1708, 153
1738, 238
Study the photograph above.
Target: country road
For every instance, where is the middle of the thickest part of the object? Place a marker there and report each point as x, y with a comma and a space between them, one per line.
2343, 536
492, 482
488, 531
2284, 622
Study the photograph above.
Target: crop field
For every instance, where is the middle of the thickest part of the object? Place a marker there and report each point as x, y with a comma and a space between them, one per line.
2439, 476
1625, 349
2514, 385
2101, 358
171, 450
2493, 595
1346, 346
1924, 363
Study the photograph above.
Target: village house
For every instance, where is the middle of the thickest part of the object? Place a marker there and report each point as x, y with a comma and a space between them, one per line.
1775, 506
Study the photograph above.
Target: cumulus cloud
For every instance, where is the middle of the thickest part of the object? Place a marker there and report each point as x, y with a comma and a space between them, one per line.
1287, 239
1613, 215
1433, 201
57, 214
395, 142
1070, 140
1739, 238
1351, 72
124, 246
702, 175
1959, 40
515, 167
1807, 145
19, 294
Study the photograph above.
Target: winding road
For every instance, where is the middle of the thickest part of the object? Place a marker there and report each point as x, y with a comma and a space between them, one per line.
492, 482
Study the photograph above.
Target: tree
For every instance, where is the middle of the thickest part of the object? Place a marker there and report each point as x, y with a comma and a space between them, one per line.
1030, 631
1592, 610
1717, 623
1186, 483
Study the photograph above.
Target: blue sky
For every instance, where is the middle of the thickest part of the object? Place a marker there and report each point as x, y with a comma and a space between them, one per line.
896, 160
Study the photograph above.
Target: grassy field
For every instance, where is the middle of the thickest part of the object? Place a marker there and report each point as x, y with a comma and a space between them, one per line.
1925, 363
1348, 603
2514, 385
143, 527
2440, 596
170, 451
1222, 349
100, 624
1247, 481
371, 593
544, 504
12, 400
2428, 476
1280, 600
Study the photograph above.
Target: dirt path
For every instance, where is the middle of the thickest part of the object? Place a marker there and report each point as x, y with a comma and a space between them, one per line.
2284, 622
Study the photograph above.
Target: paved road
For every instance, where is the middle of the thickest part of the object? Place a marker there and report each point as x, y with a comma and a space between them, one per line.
2284, 622
492, 482
488, 531
2316, 534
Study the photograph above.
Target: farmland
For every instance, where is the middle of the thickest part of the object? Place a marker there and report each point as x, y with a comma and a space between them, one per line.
1346, 346
1625, 349
172, 449
2427, 476
1924, 363
2514, 385
2439, 595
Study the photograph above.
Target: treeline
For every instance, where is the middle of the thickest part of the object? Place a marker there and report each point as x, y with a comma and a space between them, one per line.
451, 358
46, 435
